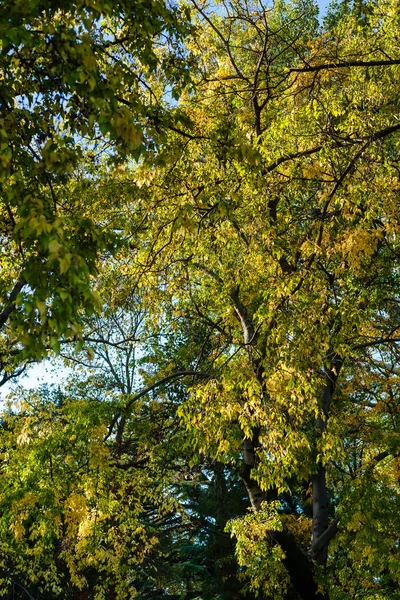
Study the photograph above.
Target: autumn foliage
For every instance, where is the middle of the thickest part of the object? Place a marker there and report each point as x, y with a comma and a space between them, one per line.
200, 222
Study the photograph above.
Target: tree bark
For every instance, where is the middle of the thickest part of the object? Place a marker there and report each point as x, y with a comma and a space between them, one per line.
320, 520
297, 562
6, 312
320, 500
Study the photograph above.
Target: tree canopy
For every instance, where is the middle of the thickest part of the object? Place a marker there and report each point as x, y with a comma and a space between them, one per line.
73, 86
201, 220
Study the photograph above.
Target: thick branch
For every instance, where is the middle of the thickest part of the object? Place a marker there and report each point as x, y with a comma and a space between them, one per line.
292, 156
11, 301
299, 565
378, 135
378, 342
244, 317
255, 493
322, 542
344, 64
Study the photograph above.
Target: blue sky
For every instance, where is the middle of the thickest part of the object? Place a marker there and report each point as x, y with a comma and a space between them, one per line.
323, 5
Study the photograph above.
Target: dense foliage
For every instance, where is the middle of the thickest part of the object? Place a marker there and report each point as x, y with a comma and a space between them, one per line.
73, 85
227, 304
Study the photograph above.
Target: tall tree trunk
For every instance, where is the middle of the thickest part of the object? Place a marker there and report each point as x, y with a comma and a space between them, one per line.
320, 521
297, 562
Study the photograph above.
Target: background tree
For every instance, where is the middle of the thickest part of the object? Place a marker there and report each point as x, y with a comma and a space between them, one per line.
106, 497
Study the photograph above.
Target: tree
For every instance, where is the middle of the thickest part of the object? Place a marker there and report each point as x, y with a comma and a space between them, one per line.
261, 237
100, 495
68, 70
273, 223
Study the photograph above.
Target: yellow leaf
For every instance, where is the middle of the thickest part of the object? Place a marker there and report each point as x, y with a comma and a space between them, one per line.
54, 247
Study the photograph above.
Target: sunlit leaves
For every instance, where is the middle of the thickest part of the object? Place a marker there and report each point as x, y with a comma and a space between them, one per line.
73, 85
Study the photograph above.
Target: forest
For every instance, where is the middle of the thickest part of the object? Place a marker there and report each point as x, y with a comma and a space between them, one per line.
200, 235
